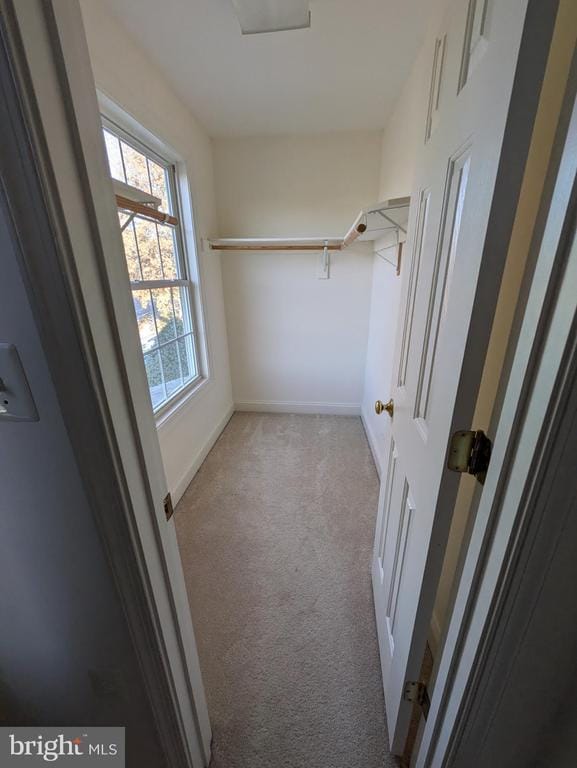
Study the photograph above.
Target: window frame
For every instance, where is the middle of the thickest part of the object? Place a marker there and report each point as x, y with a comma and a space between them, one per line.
185, 280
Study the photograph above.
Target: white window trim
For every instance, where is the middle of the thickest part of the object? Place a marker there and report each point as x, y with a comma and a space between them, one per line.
191, 245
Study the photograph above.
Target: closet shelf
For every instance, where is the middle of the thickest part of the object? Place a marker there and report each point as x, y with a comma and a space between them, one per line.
382, 220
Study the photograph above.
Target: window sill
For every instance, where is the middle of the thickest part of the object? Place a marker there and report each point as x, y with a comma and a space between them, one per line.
167, 412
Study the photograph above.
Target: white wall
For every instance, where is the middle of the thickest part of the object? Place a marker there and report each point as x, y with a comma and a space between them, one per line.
401, 142
125, 74
296, 343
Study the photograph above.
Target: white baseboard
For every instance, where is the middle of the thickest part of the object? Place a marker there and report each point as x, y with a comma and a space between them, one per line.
178, 492
287, 406
372, 444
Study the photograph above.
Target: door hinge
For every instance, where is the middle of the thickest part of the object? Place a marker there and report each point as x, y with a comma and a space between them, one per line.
416, 693
168, 508
470, 451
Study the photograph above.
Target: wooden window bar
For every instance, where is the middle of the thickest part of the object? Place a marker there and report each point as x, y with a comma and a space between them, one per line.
141, 209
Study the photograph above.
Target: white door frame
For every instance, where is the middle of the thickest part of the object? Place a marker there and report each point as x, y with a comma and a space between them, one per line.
522, 514
59, 194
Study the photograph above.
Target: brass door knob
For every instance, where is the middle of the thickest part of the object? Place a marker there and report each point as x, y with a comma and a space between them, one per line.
388, 407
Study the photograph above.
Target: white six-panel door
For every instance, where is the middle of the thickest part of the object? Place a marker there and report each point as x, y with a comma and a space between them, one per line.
473, 60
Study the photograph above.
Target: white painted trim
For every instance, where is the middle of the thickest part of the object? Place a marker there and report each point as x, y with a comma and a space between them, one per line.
289, 406
372, 441
186, 479
173, 408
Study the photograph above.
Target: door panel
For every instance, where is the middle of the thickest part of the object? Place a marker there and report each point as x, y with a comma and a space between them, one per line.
475, 41
382, 538
473, 58
439, 288
407, 509
437, 70
421, 227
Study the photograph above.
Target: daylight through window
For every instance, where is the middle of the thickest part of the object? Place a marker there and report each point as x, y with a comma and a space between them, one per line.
161, 289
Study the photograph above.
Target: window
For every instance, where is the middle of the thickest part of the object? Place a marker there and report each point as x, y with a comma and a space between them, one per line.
148, 211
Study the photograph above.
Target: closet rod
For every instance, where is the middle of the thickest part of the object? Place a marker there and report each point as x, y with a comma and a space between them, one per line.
358, 227
279, 247
313, 244
276, 244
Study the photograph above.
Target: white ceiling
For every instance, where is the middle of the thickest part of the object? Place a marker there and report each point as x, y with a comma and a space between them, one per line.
343, 73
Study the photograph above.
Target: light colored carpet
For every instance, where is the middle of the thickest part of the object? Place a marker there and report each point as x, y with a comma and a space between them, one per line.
276, 535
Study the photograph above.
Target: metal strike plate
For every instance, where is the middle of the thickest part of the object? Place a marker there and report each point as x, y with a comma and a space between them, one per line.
168, 508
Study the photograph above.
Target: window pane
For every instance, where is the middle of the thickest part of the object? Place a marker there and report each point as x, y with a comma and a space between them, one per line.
135, 167
114, 158
159, 184
131, 252
186, 354
166, 238
145, 317
148, 249
154, 376
171, 367
167, 324
152, 252
181, 315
